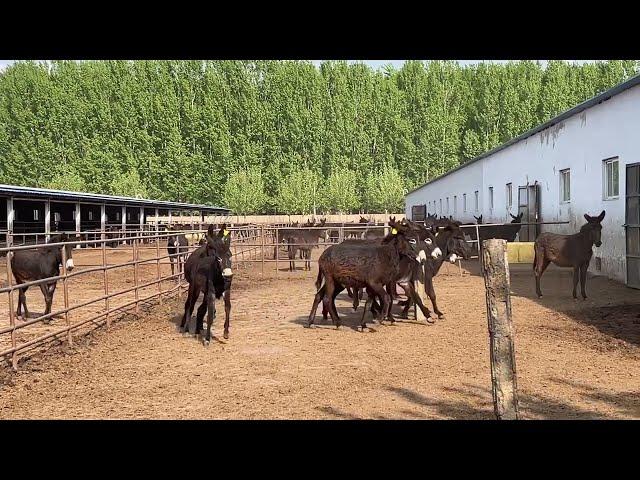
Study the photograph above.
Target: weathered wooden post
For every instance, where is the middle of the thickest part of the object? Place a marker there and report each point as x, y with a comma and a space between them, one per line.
495, 269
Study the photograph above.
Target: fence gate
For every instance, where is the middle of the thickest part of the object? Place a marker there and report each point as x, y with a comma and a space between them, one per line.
529, 205
632, 225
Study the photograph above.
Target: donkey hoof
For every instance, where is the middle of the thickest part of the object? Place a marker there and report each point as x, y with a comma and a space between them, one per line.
440, 316
225, 335
206, 342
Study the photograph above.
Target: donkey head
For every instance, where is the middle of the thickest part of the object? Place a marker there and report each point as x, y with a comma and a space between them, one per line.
516, 218
456, 246
593, 227
478, 219
218, 245
67, 248
425, 235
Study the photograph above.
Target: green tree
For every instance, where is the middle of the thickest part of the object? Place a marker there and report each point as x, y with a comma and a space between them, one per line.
339, 193
66, 179
297, 192
128, 184
384, 191
244, 192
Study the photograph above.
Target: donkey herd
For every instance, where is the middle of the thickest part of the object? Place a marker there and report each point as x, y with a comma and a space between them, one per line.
368, 260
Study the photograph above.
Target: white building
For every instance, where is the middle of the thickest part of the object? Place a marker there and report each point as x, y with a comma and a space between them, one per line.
583, 161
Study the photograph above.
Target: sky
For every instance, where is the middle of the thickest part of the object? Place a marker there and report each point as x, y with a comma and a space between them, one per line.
375, 64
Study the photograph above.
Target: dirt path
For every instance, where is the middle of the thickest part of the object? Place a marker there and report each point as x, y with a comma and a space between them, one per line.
574, 359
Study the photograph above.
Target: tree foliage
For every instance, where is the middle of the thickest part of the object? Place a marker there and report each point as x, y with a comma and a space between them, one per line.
193, 131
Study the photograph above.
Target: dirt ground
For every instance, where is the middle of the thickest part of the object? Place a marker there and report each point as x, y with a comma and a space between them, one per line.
575, 359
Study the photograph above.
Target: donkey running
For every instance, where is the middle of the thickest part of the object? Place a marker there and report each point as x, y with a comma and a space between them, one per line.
568, 251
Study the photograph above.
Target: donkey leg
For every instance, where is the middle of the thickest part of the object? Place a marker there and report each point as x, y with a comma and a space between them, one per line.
411, 293
576, 275
209, 301
227, 312
386, 301
583, 280
316, 300
541, 265
22, 300
202, 309
329, 283
431, 292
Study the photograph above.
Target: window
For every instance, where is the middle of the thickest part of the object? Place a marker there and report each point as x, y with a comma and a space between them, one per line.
447, 204
565, 185
611, 178
440, 206
464, 202
36, 214
509, 197
491, 198
56, 216
477, 200
418, 213
455, 204
90, 215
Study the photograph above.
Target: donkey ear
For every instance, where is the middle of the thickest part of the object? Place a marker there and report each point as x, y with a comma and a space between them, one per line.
588, 218
513, 216
601, 216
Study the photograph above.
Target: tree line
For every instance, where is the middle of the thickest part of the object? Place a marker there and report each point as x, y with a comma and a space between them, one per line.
272, 136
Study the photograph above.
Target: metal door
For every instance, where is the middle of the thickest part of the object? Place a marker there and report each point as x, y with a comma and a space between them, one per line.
632, 225
529, 206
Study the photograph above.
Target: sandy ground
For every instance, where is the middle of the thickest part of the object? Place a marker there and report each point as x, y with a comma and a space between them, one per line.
575, 359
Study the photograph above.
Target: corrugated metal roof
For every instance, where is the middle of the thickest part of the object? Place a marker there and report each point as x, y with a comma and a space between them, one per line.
44, 193
602, 97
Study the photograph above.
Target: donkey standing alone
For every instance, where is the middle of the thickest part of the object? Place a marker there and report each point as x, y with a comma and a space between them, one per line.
568, 251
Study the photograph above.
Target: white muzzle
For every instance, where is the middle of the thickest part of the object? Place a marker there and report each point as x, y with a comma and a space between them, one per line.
421, 256
454, 258
70, 264
227, 272
436, 252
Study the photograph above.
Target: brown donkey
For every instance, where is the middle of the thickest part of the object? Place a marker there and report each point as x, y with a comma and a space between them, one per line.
568, 251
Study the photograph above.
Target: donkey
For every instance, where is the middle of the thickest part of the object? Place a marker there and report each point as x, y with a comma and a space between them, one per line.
177, 246
37, 264
568, 251
364, 265
217, 246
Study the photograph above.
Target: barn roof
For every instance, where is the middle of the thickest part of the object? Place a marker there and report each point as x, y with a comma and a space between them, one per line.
602, 97
45, 193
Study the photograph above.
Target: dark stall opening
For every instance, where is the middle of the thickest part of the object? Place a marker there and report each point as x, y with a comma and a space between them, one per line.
90, 221
63, 217
113, 224
3, 223
28, 220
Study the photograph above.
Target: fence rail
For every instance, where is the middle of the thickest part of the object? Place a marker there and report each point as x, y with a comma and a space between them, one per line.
146, 265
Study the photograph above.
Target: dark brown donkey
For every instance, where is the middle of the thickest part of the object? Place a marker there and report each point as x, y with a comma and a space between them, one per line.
38, 264
568, 251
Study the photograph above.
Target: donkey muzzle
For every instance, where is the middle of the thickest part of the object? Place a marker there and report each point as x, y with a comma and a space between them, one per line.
598, 244
69, 264
436, 252
227, 272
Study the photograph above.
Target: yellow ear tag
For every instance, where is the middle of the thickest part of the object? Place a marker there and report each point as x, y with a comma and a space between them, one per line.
394, 231
225, 232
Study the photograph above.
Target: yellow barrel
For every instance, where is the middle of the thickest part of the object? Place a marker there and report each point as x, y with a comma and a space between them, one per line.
520, 252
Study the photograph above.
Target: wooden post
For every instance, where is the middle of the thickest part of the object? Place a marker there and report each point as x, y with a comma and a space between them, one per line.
135, 272
65, 291
495, 269
123, 223
12, 319
106, 282
158, 276
47, 221
277, 249
103, 221
78, 222
10, 217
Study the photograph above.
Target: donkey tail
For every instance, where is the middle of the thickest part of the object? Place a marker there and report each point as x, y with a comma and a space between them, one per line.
535, 257
319, 279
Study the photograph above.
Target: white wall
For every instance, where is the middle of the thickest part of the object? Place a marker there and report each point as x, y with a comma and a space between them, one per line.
580, 143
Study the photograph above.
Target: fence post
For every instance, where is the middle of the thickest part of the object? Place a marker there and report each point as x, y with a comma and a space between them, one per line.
65, 291
158, 276
262, 248
495, 269
277, 247
106, 282
12, 318
135, 272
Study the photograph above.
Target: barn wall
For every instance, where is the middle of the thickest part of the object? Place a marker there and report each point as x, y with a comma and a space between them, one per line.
579, 143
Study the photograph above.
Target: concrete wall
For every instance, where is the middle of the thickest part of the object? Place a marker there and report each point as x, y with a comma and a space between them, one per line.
580, 143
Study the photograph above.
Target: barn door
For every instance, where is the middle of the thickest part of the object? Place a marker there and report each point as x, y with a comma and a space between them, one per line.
632, 225
529, 206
